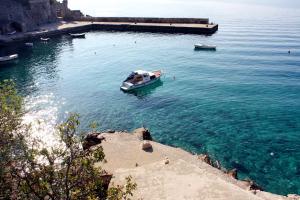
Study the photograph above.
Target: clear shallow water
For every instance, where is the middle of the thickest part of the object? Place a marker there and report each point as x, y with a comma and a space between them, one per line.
240, 104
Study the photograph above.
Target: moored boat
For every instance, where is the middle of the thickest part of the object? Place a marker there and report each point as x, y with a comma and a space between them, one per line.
8, 58
45, 39
77, 35
205, 47
29, 44
140, 78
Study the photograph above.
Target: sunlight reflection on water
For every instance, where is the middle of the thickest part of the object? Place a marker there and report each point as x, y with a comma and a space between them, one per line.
43, 119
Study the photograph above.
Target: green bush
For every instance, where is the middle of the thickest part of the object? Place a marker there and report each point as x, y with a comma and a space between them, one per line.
67, 172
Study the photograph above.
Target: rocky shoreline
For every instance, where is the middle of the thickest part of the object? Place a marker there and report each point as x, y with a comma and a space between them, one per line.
152, 164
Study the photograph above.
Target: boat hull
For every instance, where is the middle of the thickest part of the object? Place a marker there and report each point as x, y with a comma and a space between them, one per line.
29, 44
45, 39
126, 89
9, 58
203, 47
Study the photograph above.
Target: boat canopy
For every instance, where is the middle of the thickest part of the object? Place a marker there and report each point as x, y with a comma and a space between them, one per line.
140, 78
142, 72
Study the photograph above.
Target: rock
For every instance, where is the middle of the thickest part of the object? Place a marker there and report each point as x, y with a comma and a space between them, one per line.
142, 134
167, 161
205, 158
110, 131
105, 179
92, 139
217, 165
101, 137
254, 191
252, 185
293, 197
232, 173
146, 145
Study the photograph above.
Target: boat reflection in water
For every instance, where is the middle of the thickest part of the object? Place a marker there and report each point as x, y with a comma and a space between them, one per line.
8, 60
146, 90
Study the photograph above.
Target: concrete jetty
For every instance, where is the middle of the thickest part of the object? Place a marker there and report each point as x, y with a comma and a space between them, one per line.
164, 172
156, 25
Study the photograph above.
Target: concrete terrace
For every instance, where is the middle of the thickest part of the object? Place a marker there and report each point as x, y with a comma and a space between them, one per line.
77, 26
183, 176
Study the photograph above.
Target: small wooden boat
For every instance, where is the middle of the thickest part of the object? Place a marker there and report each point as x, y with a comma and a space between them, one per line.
140, 78
77, 35
205, 47
9, 58
45, 39
29, 44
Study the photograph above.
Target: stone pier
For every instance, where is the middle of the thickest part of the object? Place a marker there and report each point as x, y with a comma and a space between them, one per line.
63, 27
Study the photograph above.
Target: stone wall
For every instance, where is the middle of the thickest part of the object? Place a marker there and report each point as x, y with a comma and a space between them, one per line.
64, 12
25, 15
61, 8
41, 12
155, 28
146, 20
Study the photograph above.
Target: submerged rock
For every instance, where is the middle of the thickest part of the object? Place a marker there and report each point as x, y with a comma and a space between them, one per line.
142, 134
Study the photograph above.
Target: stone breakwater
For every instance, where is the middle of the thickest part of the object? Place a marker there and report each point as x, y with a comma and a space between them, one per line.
147, 20
63, 27
164, 172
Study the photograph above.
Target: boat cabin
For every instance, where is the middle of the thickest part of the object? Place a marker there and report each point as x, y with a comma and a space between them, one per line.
140, 76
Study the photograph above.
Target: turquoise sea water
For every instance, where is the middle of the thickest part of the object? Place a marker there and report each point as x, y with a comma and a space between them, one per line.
240, 104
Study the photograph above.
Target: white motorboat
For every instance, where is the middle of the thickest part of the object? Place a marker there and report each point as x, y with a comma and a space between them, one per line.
8, 58
45, 39
140, 78
205, 47
29, 44
77, 35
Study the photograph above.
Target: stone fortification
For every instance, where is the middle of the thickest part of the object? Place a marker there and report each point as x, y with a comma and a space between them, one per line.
28, 15
25, 15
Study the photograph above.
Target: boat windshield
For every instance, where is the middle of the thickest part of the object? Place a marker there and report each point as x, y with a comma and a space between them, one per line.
130, 77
